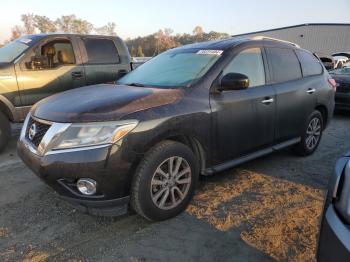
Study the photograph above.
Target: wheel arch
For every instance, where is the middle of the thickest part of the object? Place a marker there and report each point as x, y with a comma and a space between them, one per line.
7, 108
189, 140
196, 147
324, 112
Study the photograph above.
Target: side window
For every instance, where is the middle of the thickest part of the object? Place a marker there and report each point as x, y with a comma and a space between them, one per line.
101, 51
284, 64
51, 55
309, 63
250, 63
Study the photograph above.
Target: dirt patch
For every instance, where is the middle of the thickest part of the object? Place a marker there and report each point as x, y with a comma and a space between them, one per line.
276, 216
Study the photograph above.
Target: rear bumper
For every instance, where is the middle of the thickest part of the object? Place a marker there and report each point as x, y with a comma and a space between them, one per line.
334, 240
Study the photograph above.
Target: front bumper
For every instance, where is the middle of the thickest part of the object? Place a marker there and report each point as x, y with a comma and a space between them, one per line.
342, 101
334, 241
106, 165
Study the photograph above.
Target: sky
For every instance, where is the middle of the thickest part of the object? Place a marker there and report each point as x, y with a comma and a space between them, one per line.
139, 18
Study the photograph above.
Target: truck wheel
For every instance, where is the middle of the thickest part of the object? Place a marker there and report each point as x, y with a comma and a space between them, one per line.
165, 181
5, 131
311, 136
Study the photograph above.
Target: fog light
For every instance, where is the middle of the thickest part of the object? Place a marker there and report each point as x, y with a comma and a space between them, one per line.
87, 186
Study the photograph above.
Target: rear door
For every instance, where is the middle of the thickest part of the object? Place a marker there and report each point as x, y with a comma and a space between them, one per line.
243, 120
295, 95
50, 67
101, 59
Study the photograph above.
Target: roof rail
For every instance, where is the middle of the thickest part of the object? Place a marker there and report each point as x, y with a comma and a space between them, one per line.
261, 37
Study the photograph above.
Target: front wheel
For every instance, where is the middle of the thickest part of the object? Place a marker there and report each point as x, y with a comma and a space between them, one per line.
165, 181
311, 136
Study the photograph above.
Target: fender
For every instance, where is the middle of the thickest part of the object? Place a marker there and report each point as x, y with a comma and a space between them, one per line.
16, 114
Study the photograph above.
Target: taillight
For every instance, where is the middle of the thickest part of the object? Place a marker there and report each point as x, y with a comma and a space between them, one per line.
332, 82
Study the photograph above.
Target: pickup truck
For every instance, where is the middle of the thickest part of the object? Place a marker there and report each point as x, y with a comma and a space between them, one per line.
36, 66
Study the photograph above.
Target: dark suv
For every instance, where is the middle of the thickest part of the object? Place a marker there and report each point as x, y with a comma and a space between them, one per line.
197, 109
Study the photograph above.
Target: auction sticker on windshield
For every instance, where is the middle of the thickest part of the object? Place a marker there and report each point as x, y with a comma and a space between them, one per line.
209, 52
25, 40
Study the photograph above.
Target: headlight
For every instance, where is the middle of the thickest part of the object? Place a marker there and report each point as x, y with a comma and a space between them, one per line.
93, 134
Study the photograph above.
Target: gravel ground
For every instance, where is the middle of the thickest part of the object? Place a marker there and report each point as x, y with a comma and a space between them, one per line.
267, 209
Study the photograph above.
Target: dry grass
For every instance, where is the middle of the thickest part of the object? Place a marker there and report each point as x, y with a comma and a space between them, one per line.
275, 216
36, 256
4, 232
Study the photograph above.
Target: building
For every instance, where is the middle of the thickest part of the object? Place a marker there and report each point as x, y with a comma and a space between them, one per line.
323, 39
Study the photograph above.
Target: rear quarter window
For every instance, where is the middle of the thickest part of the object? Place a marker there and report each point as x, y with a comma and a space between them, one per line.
101, 51
284, 64
309, 63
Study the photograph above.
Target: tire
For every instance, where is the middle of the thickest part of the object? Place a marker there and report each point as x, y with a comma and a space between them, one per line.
151, 179
306, 146
5, 131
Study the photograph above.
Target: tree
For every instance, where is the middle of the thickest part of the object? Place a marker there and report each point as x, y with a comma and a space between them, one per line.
64, 23
132, 51
140, 52
108, 29
28, 23
16, 32
164, 40
81, 26
44, 24
198, 31
72, 24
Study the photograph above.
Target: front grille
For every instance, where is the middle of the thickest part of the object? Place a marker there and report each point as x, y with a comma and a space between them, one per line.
40, 130
343, 87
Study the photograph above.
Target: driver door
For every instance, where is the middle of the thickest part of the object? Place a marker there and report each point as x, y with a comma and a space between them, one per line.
49, 68
243, 120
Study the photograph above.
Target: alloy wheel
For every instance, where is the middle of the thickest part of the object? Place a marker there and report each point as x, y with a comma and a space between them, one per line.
313, 133
171, 182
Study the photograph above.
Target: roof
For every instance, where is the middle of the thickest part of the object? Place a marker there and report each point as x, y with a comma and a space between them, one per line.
42, 35
294, 26
227, 43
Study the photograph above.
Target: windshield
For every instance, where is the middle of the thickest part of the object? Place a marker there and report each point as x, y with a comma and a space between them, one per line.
173, 69
341, 71
12, 50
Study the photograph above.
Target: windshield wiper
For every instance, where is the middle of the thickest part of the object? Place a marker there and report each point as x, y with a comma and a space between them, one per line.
135, 84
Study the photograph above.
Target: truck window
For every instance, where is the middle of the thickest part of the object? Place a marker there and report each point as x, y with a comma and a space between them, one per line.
284, 64
101, 51
51, 55
250, 63
309, 63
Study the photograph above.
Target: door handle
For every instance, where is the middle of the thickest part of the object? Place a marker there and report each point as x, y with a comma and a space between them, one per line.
268, 101
311, 90
77, 75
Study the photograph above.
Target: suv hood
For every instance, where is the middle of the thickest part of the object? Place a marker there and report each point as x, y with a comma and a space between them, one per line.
106, 102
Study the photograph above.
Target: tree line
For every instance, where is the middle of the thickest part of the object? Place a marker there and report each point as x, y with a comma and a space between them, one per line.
33, 24
149, 45
164, 39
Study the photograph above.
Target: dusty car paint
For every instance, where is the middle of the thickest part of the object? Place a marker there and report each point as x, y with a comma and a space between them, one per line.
107, 102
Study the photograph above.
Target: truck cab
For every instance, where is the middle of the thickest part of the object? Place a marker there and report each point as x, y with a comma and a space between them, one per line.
36, 66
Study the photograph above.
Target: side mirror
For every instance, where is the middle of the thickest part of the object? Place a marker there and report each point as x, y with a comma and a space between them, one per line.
234, 81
